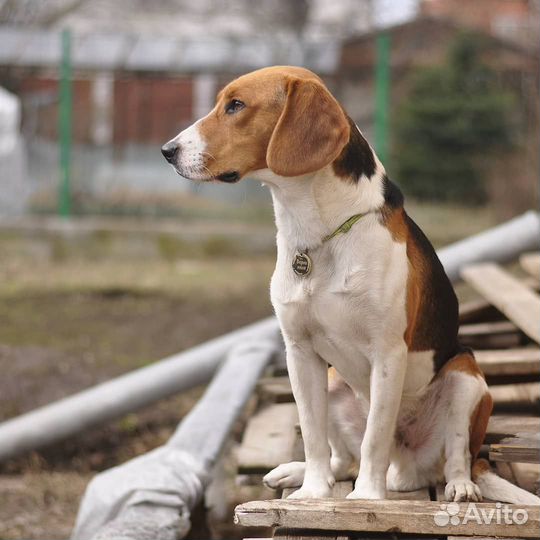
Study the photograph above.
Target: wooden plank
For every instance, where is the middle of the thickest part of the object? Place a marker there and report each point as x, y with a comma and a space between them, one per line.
417, 495
530, 262
504, 426
268, 439
491, 335
525, 449
379, 516
480, 310
521, 361
516, 396
277, 389
475, 538
488, 328
476, 311
508, 295
340, 491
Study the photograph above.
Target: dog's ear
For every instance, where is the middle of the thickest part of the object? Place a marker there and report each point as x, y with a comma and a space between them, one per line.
310, 133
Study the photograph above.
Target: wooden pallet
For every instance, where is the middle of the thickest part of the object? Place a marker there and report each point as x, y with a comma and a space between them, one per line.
504, 329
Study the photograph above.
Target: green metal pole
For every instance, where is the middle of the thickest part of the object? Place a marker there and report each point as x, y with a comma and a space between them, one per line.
382, 91
64, 126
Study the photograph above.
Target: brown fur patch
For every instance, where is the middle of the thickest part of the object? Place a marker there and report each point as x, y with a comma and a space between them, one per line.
479, 423
430, 301
394, 221
290, 123
464, 363
310, 133
480, 467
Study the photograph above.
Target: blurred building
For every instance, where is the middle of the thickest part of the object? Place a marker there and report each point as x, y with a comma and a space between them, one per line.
423, 42
130, 95
139, 89
512, 20
138, 79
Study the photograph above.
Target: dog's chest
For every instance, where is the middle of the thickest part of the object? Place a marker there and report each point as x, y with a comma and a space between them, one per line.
356, 284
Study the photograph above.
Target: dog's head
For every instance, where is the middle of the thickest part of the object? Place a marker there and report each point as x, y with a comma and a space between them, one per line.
281, 118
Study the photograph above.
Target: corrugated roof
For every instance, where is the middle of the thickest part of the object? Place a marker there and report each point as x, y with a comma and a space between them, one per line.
108, 51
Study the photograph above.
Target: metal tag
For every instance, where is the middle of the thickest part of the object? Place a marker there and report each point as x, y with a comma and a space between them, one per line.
301, 264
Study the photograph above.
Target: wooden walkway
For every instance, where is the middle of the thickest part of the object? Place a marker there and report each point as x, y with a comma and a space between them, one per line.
504, 330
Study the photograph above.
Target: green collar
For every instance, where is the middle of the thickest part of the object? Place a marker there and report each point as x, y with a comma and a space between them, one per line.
345, 227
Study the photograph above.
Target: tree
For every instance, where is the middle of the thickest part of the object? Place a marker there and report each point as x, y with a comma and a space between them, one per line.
453, 119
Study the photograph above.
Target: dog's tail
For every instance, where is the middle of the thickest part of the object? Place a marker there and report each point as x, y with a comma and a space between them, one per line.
498, 489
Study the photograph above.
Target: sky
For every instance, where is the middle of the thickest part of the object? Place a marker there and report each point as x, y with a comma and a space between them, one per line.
389, 12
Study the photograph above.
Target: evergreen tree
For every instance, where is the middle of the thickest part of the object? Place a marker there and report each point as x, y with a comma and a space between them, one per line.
454, 117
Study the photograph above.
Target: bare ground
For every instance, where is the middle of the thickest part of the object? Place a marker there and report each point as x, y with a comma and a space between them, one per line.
65, 327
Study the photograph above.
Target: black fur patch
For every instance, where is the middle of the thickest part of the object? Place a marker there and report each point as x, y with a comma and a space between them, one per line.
393, 197
439, 322
356, 159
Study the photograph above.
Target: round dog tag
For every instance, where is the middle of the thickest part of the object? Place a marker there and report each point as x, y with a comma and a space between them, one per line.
301, 264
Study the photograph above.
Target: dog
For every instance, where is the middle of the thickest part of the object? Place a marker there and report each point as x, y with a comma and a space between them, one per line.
357, 286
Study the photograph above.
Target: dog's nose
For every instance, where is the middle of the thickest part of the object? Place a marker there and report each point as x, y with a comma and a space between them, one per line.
169, 151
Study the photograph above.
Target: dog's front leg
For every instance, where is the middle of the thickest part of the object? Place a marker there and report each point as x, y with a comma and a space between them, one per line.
386, 386
309, 382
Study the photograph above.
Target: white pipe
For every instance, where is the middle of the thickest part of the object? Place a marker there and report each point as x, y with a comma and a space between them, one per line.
501, 244
123, 394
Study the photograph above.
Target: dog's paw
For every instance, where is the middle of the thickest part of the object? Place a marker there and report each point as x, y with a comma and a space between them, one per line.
286, 475
367, 493
317, 487
314, 492
462, 489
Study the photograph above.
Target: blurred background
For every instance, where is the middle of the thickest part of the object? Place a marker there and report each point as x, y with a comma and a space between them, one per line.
109, 261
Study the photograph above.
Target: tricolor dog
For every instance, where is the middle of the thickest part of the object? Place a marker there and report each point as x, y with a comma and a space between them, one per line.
357, 286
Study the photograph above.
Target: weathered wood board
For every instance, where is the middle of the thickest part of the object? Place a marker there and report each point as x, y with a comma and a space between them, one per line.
530, 262
491, 335
521, 361
380, 516
268, 439
503, 426
514, 396
508, 295
522, 449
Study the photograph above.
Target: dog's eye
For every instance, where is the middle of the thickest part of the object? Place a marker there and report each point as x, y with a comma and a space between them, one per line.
234, 106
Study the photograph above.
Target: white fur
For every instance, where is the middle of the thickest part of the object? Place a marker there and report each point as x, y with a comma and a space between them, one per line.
334, 315
191, 155
457, 468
